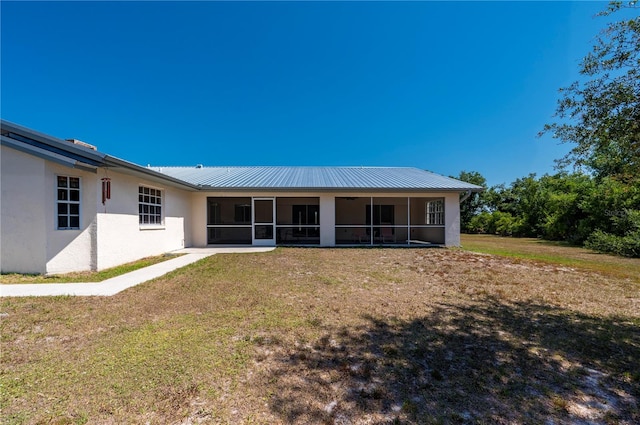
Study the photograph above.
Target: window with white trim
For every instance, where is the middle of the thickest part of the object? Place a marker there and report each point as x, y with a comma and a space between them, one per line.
434, 212
68, 202
149, 205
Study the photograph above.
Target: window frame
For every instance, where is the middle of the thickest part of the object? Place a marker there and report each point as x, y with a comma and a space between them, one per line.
68, 202
242, 214
157, 194
435, 217
381, 211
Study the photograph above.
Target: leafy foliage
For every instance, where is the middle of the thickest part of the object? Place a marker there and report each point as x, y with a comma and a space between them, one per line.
628, 246
576, 208
600, 114
475, 203
627, 240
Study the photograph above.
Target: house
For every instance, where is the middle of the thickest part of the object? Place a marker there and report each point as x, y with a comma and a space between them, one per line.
65, 206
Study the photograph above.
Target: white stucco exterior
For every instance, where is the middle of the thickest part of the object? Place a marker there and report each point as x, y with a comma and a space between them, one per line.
327, 220
70, 250
120, 236
452, 219
110, 233
22, 213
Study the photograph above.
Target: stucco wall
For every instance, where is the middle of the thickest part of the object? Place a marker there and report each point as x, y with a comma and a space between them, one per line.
70, 250
452, 219
199, 219
110, 234
327, 220
120, 237
22, 213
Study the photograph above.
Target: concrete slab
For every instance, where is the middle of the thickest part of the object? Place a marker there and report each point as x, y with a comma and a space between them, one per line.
225, 249
120, 283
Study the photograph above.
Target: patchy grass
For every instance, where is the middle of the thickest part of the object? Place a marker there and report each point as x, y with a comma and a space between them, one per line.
301, 336
86, 276
553, 253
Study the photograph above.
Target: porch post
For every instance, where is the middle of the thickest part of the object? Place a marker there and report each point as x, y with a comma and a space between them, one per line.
327, 220
452, 219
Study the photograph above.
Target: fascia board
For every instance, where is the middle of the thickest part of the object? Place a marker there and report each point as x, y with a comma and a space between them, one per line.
334, 189
53, 141
47, 155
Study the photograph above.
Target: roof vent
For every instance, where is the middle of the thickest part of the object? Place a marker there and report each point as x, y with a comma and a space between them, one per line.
83, 144
199, 166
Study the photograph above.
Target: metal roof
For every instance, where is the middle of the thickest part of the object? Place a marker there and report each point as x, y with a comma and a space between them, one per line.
315, 178
50, 148
233, 178
74, 155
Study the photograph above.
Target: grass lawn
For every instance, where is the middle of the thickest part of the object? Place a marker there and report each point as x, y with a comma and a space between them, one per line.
85, 276
357, 336
554, 253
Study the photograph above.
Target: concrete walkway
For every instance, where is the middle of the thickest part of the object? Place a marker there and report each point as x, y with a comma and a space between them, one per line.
120, 283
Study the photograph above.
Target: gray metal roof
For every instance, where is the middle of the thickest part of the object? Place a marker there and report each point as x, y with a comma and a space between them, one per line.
315, 178
73, 155
47, 147
233, 178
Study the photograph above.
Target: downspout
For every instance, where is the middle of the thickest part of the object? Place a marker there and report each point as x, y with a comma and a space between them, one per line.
466, 196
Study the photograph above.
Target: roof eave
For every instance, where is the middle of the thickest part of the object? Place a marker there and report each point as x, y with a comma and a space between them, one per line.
47, 155
131, 168
334, 189
62, 145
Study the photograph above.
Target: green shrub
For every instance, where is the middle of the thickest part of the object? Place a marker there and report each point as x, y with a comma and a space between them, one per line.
504, 224
479, 223
496, 223
628, 245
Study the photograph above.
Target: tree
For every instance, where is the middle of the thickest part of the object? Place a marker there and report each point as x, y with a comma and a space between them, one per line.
521, 200
600, 114
564, 214
475, 203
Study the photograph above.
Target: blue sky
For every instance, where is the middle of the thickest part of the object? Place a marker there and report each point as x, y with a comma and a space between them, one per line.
441, 86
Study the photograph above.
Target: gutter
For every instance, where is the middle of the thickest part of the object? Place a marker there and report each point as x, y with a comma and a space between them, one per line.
466, 196
208, 188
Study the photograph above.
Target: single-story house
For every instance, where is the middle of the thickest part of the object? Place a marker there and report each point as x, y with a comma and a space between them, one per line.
65, 206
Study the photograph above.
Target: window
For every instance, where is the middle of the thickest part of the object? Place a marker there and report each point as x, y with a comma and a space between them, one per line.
68, 202
149, 205
434, 212
242, 213
305, 214
382, 214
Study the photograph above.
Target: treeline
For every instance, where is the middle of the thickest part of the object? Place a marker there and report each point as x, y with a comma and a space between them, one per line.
600, 213
599, 116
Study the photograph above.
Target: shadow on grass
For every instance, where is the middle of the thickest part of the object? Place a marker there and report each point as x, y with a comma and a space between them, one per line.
487, 363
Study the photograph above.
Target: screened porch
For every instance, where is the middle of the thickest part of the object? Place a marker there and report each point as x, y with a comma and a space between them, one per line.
389, 221
252, 220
